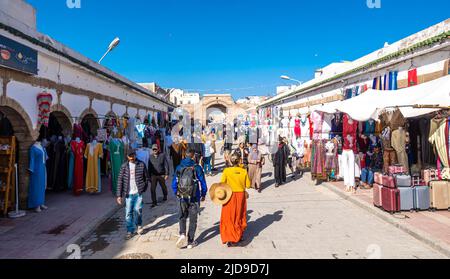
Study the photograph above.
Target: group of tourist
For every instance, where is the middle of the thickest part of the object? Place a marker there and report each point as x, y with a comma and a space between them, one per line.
192, 163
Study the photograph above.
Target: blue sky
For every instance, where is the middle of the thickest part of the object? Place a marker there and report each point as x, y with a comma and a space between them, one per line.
240, 45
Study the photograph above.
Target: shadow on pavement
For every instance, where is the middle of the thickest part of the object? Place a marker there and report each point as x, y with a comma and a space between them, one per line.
256, 227
267, 184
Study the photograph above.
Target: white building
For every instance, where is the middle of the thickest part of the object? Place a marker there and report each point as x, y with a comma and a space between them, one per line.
179, 97
32, 62
427, 52
252, 100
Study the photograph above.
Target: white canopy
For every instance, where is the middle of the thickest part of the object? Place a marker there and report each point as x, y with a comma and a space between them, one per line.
370, 104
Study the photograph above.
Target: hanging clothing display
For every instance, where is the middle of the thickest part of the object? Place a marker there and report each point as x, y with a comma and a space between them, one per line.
38, 177
317, 119
44, 102
369, 127
327, 125
78, 153
59, 165
93, 152
305, 127
439, 139
285, 127
71, 166
336, 126
412, 78
393, 83
350, 127
297, 129
318, 170
398, 141
117, 158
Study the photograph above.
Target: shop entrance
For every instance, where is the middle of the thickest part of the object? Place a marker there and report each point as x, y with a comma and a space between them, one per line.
90, 125
12, 123
55, 139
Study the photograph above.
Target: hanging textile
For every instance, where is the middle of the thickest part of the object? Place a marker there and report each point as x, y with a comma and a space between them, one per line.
93, 152
393, 82
59, 179
71, 165
412, 78
331, 157
439, 138
317, 119
78, 153
117, 157
44, 102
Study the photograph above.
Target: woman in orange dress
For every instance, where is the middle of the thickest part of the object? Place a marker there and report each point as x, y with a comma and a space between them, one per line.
233, 221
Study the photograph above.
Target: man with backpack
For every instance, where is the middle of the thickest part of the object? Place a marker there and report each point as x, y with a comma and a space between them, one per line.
185, 185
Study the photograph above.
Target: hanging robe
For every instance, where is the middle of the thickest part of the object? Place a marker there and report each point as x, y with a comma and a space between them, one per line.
38, 177
93, 179
117, 157
78, 153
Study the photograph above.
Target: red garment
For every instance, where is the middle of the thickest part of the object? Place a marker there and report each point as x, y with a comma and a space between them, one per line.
349, 133
78, 151
412, 78
297, 129
311, 127
44, 101
233, 220
365, 88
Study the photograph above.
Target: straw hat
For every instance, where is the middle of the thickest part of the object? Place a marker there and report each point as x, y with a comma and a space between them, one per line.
220, 193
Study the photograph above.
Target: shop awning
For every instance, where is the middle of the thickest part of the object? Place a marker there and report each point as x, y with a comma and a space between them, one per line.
369, 105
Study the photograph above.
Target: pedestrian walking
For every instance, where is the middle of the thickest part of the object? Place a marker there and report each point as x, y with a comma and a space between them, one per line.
290, 151
189, 185
159, 173
242, 152
213, 138
233, 221
280, 163
131, 185
255, 163
207, 157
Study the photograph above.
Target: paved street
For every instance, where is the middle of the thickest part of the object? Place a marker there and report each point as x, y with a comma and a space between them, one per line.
297, 220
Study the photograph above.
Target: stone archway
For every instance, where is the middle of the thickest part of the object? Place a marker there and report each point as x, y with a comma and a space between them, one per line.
216, 114
64, 118
91, 117
26, 135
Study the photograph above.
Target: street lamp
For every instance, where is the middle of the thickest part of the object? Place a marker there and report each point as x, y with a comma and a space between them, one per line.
288, 78
112, 46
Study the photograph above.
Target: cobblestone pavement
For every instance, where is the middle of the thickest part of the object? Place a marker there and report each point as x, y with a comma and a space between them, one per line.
297, 220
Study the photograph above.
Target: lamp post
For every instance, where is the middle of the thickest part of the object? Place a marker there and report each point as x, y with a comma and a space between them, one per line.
288, 78
111, 46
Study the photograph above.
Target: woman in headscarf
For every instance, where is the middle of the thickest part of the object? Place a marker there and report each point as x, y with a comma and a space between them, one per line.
255, 163
233, 221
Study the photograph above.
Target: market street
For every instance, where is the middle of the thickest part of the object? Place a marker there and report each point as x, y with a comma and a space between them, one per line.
297, 220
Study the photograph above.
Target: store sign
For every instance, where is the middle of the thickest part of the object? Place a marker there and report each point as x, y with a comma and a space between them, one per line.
16, 56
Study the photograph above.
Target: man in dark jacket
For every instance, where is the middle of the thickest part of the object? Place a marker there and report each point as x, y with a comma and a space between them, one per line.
159, 172
280, 163
131, 185
189, 208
